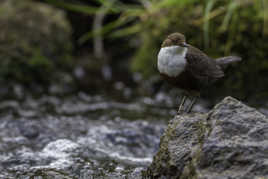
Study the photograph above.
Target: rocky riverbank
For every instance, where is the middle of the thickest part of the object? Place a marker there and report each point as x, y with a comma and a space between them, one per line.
92, 137
230, 141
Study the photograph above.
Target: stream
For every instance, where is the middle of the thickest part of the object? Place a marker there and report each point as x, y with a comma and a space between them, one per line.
80, 135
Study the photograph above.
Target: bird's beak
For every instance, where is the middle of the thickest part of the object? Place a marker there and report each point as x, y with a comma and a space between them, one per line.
184, 44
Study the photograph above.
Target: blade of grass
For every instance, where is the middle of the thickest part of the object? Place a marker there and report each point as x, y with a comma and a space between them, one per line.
75, 7
98, 44
208, 9
126, 31
172, 3
227, 18
265, 16
212, 15
232, 33
106, 28
89, 10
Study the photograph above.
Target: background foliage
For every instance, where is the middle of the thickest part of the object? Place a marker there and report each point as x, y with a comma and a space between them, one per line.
220, 28
34, 42
127, 35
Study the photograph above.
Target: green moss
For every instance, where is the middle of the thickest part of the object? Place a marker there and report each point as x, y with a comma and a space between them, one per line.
189, 171
203, 129
162, 163
192, 132
201, 132
35, 42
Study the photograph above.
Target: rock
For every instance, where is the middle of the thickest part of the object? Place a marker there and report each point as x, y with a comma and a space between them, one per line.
230, 141
75, 137
35, 41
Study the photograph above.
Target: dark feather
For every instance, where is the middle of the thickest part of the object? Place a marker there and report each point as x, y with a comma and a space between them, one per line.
223, 62
202, 67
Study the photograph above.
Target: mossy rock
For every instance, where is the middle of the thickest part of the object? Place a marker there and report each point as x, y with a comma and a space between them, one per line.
226, 142
35, 42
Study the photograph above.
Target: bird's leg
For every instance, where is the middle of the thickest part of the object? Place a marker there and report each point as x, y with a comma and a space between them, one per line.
182, 104
193, 101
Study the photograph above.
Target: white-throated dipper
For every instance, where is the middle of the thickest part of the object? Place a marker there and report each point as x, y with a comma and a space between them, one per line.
188, 68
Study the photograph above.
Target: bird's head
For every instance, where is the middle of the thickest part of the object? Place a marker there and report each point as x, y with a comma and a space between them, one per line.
175, 39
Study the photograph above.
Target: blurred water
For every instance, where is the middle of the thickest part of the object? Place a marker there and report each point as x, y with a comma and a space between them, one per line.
82, 135
106, 130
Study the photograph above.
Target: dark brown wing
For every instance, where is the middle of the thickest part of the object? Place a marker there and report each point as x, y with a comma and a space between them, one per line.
202, 67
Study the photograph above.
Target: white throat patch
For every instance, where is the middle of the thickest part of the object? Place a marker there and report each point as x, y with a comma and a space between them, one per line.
171, 60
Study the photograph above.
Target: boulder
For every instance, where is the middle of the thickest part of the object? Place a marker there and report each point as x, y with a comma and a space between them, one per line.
230, 141
35, 42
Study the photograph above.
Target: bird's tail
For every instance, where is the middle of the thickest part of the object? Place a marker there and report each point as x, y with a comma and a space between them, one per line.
223, 62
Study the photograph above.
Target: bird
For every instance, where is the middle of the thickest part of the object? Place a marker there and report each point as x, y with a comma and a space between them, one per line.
188, 68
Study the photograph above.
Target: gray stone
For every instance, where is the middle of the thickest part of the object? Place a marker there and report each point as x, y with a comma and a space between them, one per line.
231, 141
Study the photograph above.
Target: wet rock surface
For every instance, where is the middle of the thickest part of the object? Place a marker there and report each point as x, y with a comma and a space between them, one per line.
231, 141
80, 136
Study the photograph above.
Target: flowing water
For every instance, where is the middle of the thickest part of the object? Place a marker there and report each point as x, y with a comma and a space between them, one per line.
80, 135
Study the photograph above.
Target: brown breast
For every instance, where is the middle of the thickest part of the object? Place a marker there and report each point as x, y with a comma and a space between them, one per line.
185, 81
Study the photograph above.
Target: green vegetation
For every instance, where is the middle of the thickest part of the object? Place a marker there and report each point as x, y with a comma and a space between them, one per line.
39, 44
35, 42
218, 27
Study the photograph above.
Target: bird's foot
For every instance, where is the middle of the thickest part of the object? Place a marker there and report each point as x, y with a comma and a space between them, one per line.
186, 109
180, 112
181, 107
